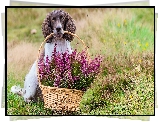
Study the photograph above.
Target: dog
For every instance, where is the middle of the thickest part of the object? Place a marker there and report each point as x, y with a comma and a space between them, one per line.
55, 22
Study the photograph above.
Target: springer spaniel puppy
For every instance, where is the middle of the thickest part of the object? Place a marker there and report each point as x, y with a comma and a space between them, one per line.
56, 22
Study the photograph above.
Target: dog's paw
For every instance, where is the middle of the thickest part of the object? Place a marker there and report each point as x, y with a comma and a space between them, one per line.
14, 89
17, 90
27, 99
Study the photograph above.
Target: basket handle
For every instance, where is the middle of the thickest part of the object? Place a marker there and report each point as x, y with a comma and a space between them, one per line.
42, 44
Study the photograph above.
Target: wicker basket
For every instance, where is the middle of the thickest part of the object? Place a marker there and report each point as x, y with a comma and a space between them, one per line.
60, 99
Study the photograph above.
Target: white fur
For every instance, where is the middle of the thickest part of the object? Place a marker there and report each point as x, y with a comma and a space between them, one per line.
62, 46
31, 81
17, 90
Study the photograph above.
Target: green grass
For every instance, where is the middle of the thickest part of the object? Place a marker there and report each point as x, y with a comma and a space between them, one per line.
127, 97
124, 37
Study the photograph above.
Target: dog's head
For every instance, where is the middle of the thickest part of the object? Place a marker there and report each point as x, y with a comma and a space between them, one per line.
57, 22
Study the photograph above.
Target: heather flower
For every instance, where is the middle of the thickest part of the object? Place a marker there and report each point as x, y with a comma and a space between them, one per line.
66, 70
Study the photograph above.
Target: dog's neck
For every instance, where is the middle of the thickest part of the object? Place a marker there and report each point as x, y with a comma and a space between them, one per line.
61, 46
59, 41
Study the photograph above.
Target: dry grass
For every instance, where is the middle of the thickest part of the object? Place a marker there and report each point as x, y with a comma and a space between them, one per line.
20, 57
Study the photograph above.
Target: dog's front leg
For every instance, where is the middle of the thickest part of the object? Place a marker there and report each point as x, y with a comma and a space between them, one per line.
30, 84
31, 81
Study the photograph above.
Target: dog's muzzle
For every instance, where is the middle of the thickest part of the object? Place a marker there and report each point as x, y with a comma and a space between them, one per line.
58, 31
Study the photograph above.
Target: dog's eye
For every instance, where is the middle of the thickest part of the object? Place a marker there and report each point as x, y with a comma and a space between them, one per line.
61, 17
54, 18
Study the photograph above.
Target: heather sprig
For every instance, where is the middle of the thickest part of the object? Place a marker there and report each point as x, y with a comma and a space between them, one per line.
74, 71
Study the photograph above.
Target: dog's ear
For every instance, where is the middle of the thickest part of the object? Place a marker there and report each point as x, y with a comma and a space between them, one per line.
69, 26
46, 27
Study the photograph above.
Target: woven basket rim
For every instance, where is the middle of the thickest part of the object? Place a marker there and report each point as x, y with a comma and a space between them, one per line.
51, 87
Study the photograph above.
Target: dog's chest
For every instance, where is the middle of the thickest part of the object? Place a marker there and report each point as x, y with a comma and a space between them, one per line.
61, 46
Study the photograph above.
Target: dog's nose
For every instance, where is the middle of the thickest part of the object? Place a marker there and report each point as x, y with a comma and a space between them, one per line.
58, 29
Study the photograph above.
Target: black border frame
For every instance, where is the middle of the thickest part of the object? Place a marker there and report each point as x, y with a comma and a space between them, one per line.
6, 7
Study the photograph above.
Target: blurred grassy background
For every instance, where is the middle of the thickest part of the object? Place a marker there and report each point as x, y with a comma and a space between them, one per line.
125, 38
108, 31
